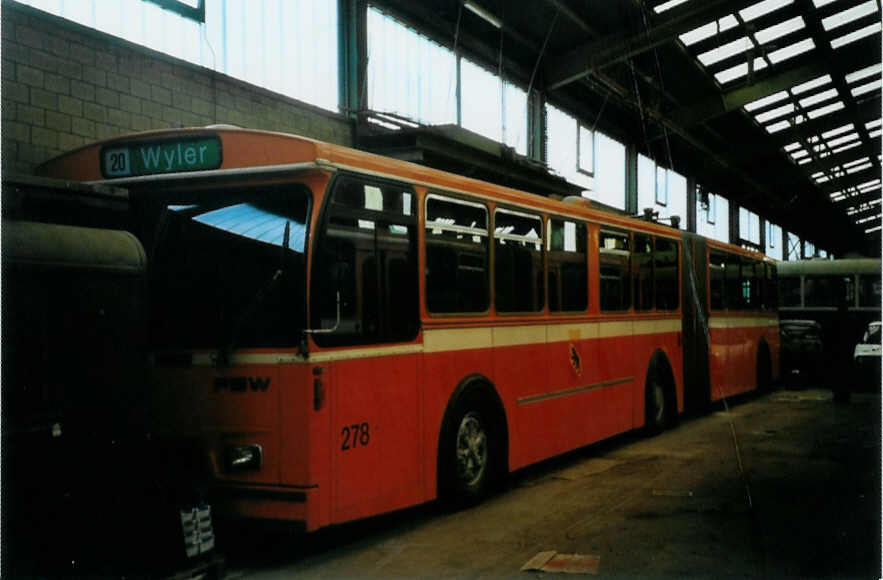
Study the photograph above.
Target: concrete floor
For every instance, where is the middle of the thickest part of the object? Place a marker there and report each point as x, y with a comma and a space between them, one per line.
675, 505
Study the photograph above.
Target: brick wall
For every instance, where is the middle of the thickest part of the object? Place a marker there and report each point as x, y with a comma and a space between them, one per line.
64, 85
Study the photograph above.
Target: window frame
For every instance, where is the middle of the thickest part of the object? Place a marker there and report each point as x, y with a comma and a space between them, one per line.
588, 262
442, 195
542, 249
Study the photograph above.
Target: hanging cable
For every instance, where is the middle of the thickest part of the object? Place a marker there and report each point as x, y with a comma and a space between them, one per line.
536, 66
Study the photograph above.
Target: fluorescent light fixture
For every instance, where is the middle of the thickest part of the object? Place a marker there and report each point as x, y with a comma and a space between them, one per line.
738, 71
792, 50
761, 8
760, 103
858, 75
818, 98
866, 88
858, 168
775, 113
838, 130
856, 162
850, 14
667, 5
846, 147
857, 35
779, 30
822, 111
842, 140
709, 30
810, 85
725, 51
484, 14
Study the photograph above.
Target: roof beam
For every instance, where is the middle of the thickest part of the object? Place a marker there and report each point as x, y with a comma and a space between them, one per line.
592, 57
858, 54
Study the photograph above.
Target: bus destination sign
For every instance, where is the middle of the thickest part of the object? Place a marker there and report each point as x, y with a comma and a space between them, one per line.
130, 160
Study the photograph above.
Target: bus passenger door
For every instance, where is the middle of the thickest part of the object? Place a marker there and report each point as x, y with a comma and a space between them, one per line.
366, 254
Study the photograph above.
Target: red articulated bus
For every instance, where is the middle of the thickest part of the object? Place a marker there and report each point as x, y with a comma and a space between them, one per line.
340, 334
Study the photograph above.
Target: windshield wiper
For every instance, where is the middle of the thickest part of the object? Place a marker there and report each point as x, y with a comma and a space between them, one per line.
223, 356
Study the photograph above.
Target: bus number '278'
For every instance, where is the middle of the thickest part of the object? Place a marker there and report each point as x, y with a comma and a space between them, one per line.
355, 435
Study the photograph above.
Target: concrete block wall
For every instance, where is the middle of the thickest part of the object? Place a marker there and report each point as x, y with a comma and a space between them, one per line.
65, 85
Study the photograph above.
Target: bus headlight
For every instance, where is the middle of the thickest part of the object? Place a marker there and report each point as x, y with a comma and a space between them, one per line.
243, 457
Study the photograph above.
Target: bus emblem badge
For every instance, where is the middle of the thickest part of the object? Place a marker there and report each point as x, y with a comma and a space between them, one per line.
575, 361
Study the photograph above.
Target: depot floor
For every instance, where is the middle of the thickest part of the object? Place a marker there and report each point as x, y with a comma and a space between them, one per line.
676, 505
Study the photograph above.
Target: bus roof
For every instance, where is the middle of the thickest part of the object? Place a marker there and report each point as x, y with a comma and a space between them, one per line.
832, 267
71, 247
249, 150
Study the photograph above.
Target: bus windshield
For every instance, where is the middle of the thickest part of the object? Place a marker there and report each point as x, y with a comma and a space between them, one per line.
227, 268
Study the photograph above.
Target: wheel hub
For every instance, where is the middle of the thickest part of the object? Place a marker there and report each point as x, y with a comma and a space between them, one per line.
472, 451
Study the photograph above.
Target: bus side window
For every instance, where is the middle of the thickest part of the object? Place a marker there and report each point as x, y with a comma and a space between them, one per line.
750, 287
457, 276
869, 290
771, 287
518, 262
568, 273
366, 252
615, 265
716, 267
734, 283
789, 291
642, 268
667, 274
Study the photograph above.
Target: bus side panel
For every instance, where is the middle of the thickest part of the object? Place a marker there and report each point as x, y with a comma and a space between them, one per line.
305, 433
374, 448
719, 352
645, 345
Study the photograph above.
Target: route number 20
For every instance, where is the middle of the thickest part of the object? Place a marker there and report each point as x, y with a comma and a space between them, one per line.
355, 435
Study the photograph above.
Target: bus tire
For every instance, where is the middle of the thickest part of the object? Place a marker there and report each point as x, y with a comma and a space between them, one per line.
660, 406
472, 446
764, 367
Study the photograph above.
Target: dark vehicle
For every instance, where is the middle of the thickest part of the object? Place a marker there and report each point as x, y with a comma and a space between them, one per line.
86, 491
866, 358
801, 350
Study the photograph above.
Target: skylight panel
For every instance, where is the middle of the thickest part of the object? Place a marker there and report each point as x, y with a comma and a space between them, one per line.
775, 113
857, 35
779, 30
874, 133
792, 146
761, 8
667, 6
810, 85
872, 230
858, 75
709, 30
769, 100
740, 70
778, 126
820, 3
872, 124
818, 98
822, 111
792, 50
838, 130
725, 51
867, 185
799, 154
865, 88
850, 14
